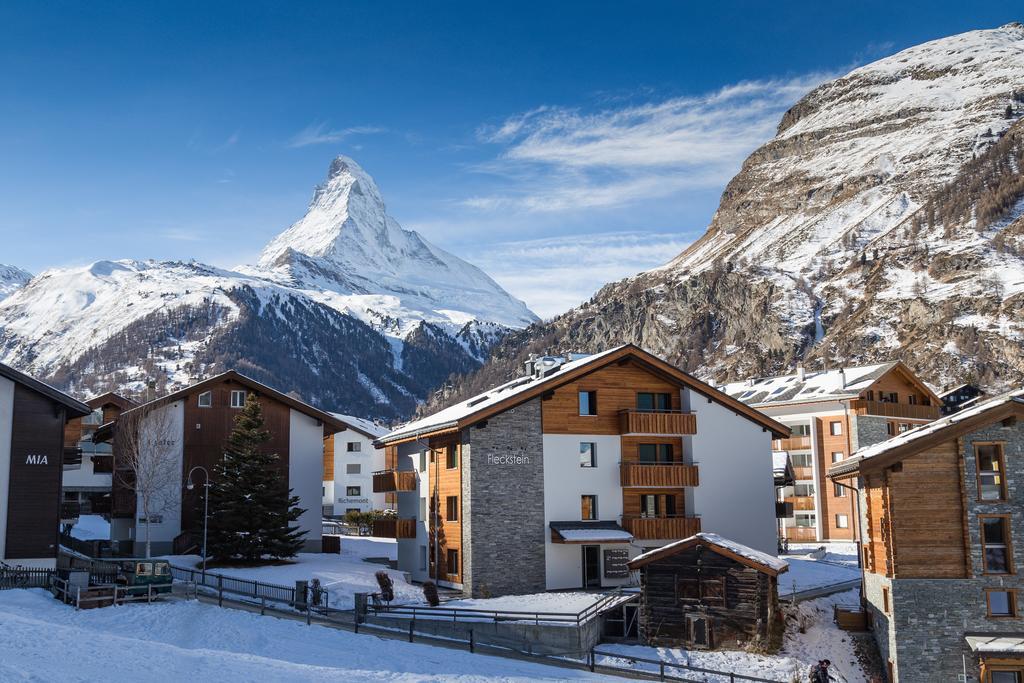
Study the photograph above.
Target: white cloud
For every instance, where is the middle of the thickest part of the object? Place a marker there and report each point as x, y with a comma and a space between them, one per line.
561, 159
322, 134
554, 274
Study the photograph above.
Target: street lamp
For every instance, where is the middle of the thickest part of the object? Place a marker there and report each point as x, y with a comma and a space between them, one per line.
206, 508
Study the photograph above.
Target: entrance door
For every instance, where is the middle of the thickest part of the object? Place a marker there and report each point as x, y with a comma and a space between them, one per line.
591, 566
632, 627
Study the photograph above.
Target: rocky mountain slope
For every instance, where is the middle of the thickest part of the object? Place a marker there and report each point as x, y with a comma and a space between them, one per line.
884, 220
11, 278
345, 308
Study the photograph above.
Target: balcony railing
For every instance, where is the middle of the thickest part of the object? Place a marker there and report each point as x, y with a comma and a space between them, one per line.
863, 406
658, 474
801, 502
661, 528
801, 533
389, 481
393, 527
657, 422
793, 443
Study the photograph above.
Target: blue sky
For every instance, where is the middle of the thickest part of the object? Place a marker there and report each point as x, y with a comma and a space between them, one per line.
557, 145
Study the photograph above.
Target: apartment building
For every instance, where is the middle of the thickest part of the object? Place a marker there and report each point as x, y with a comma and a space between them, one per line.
33, 417
89, 466
197, 421
350, 459
832, 413
558, 478
943, 524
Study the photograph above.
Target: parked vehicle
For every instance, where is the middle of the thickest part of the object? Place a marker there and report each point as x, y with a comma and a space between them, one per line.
144, 572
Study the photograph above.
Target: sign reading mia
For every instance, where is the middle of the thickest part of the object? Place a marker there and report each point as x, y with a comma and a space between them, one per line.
33, 459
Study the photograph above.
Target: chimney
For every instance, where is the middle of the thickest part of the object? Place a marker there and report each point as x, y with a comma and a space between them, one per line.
842, 377
800, 374
530, 364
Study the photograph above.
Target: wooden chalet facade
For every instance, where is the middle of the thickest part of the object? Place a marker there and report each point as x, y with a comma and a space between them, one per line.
568, 471
33, 417
708, 592
89, 466
942, 521
202, 417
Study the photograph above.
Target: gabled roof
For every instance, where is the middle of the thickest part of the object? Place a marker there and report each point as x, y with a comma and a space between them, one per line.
822, 385
769, 564
331, 423
522, 389
74, 407
367, 428
928, 435
111, 397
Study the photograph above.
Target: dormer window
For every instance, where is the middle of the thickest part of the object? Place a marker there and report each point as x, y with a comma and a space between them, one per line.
206, 399
237, 398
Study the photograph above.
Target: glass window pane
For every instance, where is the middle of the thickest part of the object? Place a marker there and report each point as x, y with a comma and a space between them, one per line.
999, 603
994, 530
587, 454
648, 453
996, 560
644, 401
1005, 677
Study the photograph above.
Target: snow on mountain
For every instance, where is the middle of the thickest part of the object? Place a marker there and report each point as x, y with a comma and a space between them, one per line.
349, 253
344, 307
11, 278
885, 220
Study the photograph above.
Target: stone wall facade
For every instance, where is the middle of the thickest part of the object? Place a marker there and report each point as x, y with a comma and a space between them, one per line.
923, 633
503, 504
868, 430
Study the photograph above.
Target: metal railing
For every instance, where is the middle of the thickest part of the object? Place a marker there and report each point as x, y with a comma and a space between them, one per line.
105, 594
256, 590
24, 577
470, 614
663, 669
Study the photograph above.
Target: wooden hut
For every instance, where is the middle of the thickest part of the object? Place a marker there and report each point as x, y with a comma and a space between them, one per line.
709, 592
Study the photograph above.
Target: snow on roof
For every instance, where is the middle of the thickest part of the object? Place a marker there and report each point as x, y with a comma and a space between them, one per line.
595, 535
995, 642
780, 463
932, 427
363, 425
451, 415
756, 556
815, 386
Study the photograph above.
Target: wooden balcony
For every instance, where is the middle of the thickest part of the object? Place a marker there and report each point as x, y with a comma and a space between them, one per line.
393, 527
669, 422
801, 502
888, 409
793, 443
674, 475
661, 528
801, 533
388, 481
803, 473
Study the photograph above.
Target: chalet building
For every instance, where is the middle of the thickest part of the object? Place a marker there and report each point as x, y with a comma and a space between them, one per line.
831, 414
943, 524
33, 417
89, 466
201, 418
350, 459
708, 592
556, 479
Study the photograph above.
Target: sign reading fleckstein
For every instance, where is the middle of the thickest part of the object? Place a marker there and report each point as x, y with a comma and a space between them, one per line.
615, 561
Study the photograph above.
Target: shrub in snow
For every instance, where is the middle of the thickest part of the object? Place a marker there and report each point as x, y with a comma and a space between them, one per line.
387, 586
430, 593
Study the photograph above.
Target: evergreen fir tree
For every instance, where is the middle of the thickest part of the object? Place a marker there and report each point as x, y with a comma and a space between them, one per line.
252, 512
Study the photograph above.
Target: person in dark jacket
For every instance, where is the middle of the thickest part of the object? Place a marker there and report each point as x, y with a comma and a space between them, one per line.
819, 672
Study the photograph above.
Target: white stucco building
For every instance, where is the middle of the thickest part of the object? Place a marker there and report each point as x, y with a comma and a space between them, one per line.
350, 459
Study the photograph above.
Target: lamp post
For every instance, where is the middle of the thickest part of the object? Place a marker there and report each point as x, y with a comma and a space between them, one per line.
206, 508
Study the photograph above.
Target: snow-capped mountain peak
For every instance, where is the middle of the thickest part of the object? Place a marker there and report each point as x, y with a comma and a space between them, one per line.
12, 278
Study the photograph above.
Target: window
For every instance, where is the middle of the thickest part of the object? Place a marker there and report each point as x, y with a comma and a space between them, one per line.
904, 427
991, 483
890, 428
837, 456
801, 459
237, 398
652, 453
842, 522
835, 428
451, 509
805, 520
1004, 677
1001, 603
348, 510
869, 395
650, 402
353, 490
588, 507
206, 399
888, 397
995, 543
354, 447
453, 562
649, 505
423, 509
353, 468
803, 429
803, 488
839, 491
588, 403
423, 461
94, 418
452, 457
588, 454
912, 400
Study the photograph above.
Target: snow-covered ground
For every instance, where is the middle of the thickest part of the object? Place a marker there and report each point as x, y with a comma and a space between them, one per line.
563, 603
190, 641
91, 528
342, 575
811, 635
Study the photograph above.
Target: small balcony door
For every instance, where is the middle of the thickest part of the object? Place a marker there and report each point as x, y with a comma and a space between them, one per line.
591, 566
